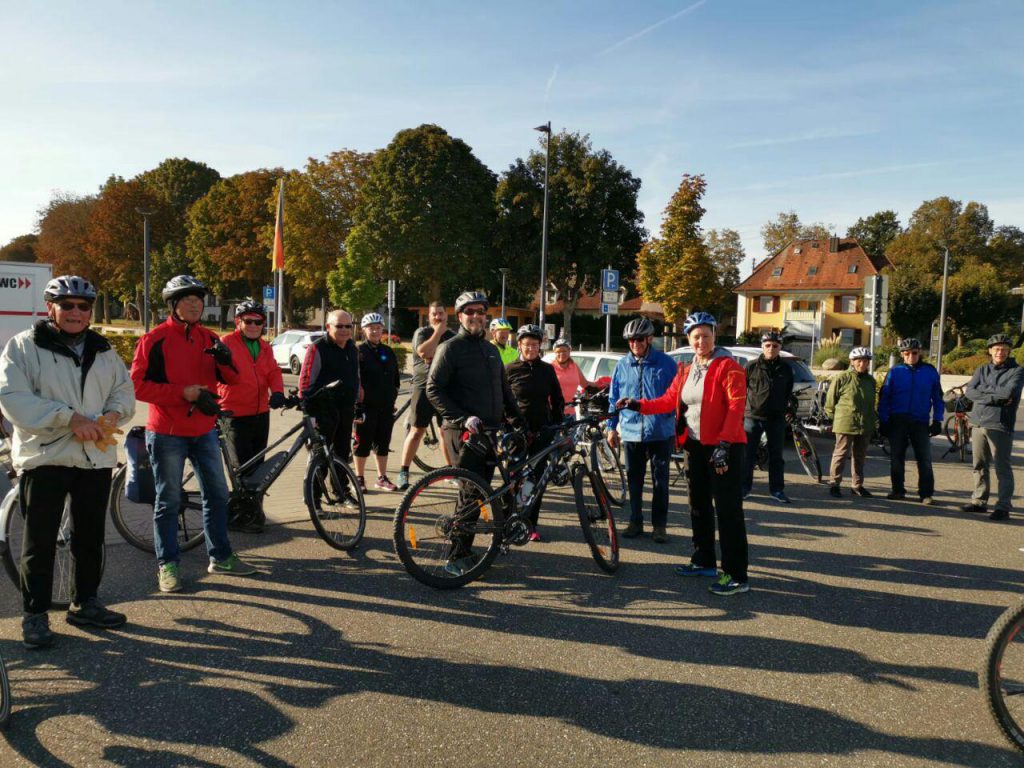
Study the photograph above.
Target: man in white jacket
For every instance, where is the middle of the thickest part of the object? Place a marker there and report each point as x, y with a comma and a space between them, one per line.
64, 389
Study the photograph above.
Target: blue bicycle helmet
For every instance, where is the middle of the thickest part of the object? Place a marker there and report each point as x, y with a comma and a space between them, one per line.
698, 319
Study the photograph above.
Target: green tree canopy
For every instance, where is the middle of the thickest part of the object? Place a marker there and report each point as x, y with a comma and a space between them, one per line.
593, 219
20, 248
876, 232
786, 228
180, 182
425, 217
725, 249
676, 269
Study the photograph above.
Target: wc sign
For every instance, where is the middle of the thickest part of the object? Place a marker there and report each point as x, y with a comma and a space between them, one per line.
14, 281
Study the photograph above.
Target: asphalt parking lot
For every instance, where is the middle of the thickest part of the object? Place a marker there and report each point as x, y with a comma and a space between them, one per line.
857, 646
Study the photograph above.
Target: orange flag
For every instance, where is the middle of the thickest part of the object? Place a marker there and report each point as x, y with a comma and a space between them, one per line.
277, 258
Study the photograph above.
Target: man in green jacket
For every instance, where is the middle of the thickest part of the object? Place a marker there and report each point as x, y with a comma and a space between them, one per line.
851, 406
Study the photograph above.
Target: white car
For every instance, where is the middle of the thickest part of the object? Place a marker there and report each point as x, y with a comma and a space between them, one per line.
290, 348
594, 365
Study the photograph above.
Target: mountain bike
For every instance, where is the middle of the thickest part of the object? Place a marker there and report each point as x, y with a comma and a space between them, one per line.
957, 426
451, 525
1001, 677
330, 490
604, 460
428, 455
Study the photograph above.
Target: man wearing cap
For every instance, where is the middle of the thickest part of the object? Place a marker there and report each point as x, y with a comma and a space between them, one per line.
995, 390
501, 331
176, 369
258, 388
65, 390
378, 373
850, 404
910, 413
769, 388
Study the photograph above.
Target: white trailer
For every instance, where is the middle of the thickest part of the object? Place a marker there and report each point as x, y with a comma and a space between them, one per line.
21, 296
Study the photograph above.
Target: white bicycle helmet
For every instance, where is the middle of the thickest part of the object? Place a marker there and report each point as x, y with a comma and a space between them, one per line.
69, 287
860, 353
370, 319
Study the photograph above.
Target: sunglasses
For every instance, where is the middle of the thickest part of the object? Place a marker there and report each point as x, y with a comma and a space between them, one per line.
82, 306
638, 338
474, 312
342, 325
253, 321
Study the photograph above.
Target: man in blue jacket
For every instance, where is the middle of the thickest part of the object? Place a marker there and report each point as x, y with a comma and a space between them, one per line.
910, 411
644, 373
995, 390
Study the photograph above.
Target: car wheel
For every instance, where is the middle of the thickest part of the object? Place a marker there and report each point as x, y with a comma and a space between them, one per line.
295, 365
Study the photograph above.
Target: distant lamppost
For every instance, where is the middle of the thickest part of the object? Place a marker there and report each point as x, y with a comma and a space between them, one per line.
145, 264
942, 308
1019, 291
504, 276
545, 129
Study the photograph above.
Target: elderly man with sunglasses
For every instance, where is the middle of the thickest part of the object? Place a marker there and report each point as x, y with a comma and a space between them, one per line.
64, 389
769, 388
259, 388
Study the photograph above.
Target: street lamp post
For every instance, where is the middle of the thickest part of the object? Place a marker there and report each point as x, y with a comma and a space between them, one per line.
504, 276
1019, 291
545, 129
942, 308
145, 264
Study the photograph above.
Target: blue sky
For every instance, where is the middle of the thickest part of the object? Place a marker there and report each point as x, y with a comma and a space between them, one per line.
833, 109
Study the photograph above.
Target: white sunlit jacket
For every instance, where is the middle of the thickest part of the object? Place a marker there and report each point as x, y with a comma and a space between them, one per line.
43, 383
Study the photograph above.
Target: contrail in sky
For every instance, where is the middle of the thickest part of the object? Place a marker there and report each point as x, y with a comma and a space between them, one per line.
654, 26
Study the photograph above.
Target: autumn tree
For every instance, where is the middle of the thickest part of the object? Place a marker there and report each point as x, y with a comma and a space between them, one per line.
675, 269
63, 233
1006, 254
21, 248
230, 233
593, 219
876, 232
725, 249
786, 228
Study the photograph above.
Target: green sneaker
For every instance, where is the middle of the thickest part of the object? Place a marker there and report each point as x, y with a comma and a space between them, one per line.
233, 566
168, 578
727, 585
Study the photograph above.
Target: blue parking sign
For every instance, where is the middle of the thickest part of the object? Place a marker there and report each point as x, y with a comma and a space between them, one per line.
609, 279
268, 292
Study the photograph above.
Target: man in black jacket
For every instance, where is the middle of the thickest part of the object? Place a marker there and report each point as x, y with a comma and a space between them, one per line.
995, 390
334, 358
769, 388
468, 386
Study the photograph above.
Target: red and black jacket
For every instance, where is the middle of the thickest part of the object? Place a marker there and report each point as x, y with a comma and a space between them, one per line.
721, 412
250, 395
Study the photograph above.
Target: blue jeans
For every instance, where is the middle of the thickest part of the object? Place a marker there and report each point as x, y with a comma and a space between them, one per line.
167, 453
658, 453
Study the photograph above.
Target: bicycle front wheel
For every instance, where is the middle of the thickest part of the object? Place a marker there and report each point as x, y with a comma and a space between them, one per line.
5, 695
134, 520
1002, 674
445, 533
429, 456
808, 455
596, 518
335, 501
609, 465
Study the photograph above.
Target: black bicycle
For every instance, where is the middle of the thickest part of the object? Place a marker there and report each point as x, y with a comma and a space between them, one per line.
330, 490
1002, 674
451, 525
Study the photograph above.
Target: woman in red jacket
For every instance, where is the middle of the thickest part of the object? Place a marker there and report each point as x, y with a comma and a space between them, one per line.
259, 388
708, 397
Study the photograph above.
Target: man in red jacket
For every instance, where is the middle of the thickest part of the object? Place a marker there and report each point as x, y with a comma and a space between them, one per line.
247, 398
176, 370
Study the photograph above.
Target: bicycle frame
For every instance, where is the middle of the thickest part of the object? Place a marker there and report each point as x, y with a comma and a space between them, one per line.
238, 474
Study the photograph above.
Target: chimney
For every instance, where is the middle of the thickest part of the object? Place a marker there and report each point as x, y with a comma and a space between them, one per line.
833, 244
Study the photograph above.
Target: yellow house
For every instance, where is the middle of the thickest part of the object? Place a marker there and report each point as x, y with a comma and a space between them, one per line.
811, 289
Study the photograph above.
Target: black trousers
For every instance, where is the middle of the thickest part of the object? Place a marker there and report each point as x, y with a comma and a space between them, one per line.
374, 434
713, 495
249, 435
775, 428
43, 491
904, 431
484, 464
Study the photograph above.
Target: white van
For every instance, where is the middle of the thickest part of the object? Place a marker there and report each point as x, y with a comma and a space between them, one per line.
21, 296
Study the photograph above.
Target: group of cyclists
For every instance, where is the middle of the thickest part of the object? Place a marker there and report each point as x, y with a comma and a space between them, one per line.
66, 391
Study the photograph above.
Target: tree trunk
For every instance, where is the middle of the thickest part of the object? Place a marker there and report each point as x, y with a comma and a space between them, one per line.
104, 302
567, 310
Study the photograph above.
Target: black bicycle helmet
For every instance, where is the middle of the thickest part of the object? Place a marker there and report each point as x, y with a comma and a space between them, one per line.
638, 328
180, 286
529, 331
909, 343
251, 307
774, 336
69, 287
698, 319
471, 297
998, 338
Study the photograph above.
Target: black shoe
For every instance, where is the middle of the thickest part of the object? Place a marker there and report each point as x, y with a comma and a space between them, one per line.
92, 613
999, 514
35, 630
659, 535
896, 496
864, 493
632, 531
834, 492
973, 508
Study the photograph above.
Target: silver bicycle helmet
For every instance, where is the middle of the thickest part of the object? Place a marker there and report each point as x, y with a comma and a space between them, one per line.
998, 338
69, 287
180, 286
370, 319
860, 353
530, 331
909, 343
471, 297
638, 328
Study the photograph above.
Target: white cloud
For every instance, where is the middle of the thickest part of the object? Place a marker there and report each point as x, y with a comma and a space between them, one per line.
637, 35
550, 84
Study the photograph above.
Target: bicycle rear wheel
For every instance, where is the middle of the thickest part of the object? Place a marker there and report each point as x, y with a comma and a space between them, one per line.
134, 520
609, 464
808, 455
5, 695
1002, 674
596, 518
949, 428
429, 456
444, 533
63, 561
335, 501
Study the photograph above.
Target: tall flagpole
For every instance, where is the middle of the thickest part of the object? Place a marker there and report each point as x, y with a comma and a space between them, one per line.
278, 259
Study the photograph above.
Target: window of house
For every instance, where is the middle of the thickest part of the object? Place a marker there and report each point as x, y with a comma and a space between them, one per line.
845, 304
852, 269
767, 304
777, 272
812, 270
